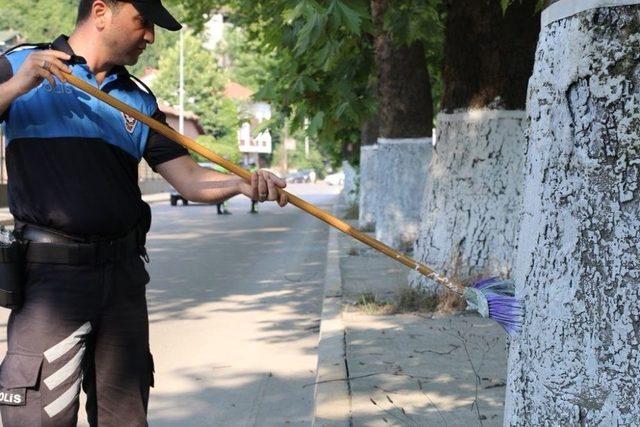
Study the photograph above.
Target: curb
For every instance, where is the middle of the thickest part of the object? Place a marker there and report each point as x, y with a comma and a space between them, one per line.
332, 400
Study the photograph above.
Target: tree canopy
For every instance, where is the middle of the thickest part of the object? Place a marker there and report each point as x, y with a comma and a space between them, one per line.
323, 66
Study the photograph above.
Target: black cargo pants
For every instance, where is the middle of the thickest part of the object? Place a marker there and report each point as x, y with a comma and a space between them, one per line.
79, 325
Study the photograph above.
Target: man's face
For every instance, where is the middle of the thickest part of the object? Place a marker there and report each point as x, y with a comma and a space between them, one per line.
127, 34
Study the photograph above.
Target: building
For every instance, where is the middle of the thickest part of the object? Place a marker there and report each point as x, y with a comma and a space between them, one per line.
250, 142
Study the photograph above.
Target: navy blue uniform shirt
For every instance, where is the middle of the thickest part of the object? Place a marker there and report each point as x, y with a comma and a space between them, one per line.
72, 160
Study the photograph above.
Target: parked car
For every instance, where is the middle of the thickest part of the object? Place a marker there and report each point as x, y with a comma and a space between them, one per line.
335, 178
175, 197
302, 176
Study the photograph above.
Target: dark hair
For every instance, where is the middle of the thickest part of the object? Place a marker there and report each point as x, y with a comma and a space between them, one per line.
84, 8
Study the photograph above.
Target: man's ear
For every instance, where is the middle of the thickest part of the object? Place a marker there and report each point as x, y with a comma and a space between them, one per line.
100, 14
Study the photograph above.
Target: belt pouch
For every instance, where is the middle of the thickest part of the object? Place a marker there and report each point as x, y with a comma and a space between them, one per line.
11, 271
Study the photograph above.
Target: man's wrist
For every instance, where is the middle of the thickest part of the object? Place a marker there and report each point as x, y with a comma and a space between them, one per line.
11, 90
239, 185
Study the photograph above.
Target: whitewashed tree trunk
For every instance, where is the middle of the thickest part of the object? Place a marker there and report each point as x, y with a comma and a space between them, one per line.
368, 186
350, 191
473, 196
577, 360
402, 175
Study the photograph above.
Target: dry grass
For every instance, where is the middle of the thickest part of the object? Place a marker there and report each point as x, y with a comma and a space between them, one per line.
410, 300
368, 303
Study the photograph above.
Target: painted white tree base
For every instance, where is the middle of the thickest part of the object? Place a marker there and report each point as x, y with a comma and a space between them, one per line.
473, 196
577, 360
402, 175
368, 186
350, 191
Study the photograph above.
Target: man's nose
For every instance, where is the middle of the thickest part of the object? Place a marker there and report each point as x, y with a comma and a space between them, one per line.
150, 34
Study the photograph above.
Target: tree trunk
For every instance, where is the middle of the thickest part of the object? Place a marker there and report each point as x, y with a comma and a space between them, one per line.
368, 187
406, 122
350, 192
578, 264
402, 177
473, 196
368, 174
406, 103
488, 54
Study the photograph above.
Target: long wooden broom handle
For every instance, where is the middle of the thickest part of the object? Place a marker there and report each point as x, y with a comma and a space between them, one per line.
246, 175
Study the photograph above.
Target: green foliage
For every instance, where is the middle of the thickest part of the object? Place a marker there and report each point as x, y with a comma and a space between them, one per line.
296, 158
416, 20
36, 25
226, 147
321, 59
506, 3
39, 23
246, 59
203, 85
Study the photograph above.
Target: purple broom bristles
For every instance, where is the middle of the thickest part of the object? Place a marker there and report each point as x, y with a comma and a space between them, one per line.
495, 298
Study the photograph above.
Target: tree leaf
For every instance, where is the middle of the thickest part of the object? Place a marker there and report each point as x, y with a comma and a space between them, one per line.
316, 124
350, 18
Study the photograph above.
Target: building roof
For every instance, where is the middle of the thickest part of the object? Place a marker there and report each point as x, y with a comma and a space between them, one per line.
235, 90
168, 109
175, 112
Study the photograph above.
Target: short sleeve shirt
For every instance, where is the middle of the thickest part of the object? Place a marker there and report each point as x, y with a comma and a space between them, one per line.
72, 160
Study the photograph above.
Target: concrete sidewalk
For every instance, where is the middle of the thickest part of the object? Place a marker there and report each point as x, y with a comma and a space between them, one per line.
7, 219
405, 369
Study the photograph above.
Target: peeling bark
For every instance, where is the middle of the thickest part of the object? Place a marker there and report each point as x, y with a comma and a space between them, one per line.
368, 187
473, 196
576, 361
350, 191
402, 176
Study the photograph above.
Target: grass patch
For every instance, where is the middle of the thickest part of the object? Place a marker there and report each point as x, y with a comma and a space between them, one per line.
368, 303
410, 300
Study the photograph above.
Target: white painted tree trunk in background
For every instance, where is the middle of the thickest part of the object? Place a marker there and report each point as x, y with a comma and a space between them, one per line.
368, 186
576, 362
350, 191
402, 175
473, 197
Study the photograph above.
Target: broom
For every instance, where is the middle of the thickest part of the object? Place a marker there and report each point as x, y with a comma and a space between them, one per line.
493, 298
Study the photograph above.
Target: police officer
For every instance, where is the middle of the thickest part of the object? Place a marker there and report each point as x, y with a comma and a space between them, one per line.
72, 164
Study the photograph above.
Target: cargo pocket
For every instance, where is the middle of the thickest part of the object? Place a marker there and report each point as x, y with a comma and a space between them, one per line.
19, 373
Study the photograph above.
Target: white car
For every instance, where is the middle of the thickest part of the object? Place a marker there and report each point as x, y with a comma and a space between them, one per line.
335, 178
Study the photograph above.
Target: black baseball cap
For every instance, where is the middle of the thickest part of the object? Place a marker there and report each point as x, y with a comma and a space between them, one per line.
156, 13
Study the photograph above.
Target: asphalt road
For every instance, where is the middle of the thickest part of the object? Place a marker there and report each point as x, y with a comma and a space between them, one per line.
234, 306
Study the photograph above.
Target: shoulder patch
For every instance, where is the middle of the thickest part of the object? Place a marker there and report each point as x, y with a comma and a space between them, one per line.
129, 122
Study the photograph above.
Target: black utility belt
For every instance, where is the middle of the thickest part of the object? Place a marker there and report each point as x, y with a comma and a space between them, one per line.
49, 247
35, 244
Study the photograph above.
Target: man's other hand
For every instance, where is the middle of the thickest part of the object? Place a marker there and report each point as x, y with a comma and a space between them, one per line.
264, 187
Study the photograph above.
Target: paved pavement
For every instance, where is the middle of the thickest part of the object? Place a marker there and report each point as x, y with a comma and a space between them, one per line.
235, 308
234, 305
407, 369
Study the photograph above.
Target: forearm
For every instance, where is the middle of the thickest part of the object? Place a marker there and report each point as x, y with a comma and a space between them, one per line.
212, 187
198, 184
8, 92
204, 185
